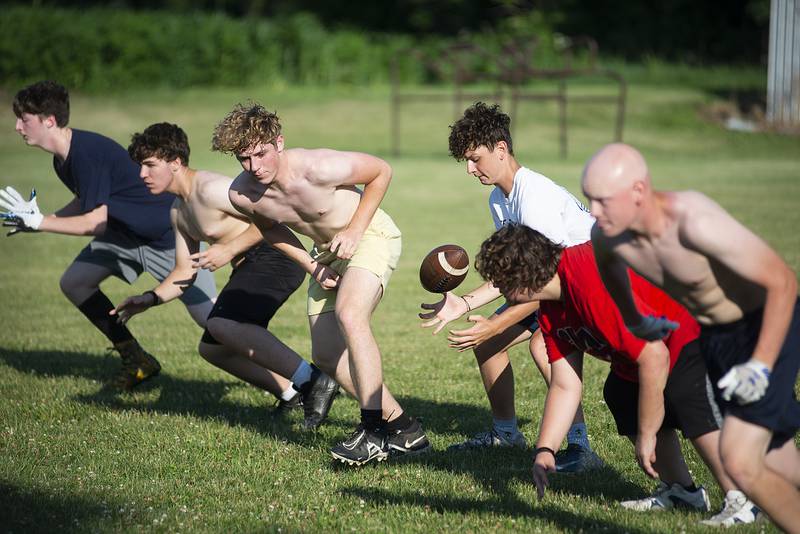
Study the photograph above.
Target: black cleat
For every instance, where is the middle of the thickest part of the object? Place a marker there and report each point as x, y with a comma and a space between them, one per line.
137, 366
361, 447
412, 440
317, 397
284, 407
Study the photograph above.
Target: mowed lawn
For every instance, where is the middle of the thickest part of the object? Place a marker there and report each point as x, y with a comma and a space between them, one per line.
196, 450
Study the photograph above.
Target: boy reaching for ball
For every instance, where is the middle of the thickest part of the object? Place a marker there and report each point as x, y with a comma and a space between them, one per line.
356, 249
482, 137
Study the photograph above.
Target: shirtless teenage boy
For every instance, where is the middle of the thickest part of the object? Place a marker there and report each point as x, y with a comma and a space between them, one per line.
236, 338
740, 291
315, 193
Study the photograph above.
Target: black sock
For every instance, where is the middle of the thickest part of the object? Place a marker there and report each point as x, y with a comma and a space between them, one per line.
691, 488
371, 419
402, 422
96, 309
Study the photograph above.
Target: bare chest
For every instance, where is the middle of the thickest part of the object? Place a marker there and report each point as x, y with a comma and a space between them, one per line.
206, 224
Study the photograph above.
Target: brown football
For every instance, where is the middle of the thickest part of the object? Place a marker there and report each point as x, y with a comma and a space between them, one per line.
444, 268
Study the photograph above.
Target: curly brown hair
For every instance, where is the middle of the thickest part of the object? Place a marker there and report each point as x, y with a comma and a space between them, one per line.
517, 257
245, 126
481, 125
161, 140
43, 98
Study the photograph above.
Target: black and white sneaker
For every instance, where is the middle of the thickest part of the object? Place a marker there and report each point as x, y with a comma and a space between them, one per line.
361, 447
284, 407
412, 440
317, 396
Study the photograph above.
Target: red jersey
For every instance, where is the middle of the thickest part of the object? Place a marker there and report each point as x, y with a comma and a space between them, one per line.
588, 320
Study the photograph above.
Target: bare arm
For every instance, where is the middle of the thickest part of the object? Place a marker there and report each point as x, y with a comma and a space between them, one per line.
89, 223
220, 254
653, 364
452, 307
485, 329
614, 273
355, 168
563, 397
718, 236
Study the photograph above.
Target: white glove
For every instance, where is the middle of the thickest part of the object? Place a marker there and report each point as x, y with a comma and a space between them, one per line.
747, 382
21, 214
653, 328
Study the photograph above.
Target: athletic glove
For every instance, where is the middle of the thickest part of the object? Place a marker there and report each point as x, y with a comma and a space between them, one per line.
21, 215
747, 382
653, 328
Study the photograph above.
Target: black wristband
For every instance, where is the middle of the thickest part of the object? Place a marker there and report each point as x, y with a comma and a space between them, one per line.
156, 298
543, 449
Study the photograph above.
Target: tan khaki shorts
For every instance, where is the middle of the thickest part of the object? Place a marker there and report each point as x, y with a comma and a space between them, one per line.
377, 252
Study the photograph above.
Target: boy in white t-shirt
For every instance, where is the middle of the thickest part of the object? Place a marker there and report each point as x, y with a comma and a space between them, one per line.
482, 138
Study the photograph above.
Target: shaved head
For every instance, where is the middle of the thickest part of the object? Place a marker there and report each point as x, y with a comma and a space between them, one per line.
614, 167
616, 183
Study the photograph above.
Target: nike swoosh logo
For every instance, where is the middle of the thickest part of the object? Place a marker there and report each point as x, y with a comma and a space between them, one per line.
409, 445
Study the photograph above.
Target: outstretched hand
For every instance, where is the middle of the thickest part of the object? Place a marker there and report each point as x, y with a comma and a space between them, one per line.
483, 330
22, 216
450, 308
652, 328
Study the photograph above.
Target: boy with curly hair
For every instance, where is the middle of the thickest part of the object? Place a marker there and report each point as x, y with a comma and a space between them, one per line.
356, 248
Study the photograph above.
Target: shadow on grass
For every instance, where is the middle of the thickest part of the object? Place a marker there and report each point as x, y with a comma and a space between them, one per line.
39, 511
207, 398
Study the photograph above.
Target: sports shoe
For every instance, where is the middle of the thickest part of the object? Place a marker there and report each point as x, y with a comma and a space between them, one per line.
317, 396
362, 446
492, 438
666, 497
412, 440
577, 459
283, 407
137, 365
736, 510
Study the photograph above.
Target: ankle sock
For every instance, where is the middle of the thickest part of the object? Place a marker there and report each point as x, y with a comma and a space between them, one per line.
509, 426
289, 393
578, 435
401, 422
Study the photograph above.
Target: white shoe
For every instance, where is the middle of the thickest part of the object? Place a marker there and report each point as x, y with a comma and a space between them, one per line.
736, 510
666, 497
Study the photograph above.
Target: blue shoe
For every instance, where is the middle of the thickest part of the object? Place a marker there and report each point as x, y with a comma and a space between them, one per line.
576, 459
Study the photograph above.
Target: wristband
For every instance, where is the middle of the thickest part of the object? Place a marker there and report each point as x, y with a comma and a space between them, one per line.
156, 298
469, 308
543, 449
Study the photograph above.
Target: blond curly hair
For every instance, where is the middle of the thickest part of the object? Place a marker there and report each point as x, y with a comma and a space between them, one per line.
245, 126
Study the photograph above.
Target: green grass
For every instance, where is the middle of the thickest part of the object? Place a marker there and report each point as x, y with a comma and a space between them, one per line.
196, 450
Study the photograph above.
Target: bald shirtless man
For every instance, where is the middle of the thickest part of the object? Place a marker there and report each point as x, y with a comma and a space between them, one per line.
236, 338
740, 291
356, 249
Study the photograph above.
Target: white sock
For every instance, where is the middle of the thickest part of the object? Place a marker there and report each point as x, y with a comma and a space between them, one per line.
301, 375
289, 393
509, 426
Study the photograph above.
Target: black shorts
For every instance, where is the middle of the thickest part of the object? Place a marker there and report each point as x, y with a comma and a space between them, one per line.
688, 399
258, 286
725, 346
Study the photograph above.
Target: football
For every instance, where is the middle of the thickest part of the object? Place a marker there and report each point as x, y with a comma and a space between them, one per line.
444, 268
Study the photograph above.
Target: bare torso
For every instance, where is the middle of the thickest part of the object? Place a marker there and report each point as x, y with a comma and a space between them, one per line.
207, 214
709, 289
300, 199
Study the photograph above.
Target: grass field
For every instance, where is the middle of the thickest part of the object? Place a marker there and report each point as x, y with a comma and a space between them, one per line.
195, 450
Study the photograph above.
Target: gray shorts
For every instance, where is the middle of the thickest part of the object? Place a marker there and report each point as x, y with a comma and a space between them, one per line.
127, 259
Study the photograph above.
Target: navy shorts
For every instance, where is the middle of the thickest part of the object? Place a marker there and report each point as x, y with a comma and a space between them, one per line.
531, 322
258, 286
688, 398
727, 345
